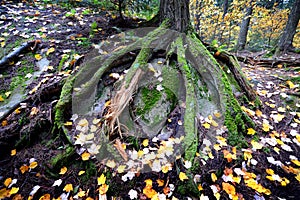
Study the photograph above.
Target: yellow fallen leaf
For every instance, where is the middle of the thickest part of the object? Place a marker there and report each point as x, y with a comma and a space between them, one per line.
7, 94
1, 99
51, 50
145, 142
33, 165
278, 117
83, 122
68, 187
217, 114
270, 171
206, 125
81, 172
121, 169
256, 145
2, 44
296, 162
14, 190
247, 155
266, 127
251, 131
298, 177
81, 194
38, 56
63, 170
183, 176
159, 62
214, 123
101, 180
18, 111
68, 124
13, 152
281, 109
213, 177
7, 182
165, 169
85, 156
291, 84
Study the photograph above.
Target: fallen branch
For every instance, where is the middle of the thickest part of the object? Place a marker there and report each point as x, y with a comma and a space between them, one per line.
268, 62
31, 45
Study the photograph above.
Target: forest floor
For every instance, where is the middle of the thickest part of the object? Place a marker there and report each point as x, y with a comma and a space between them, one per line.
268, 169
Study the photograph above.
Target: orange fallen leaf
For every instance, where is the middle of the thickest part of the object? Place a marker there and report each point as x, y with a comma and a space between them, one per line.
7, 182
63, 170
85, 156
103, 189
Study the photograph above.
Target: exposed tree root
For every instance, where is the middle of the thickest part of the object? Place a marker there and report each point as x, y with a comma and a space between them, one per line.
190, 55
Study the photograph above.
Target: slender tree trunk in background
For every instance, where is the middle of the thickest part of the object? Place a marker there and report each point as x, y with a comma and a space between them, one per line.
286, 40
225, 8
223, 27
177, 11
244, 28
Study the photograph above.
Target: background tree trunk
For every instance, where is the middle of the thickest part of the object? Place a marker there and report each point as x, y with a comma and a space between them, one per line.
177, 11
244, 28
225, 8
286, 40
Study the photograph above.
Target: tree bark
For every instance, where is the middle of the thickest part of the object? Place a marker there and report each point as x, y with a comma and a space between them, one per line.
244, 28
177, 12
286, 40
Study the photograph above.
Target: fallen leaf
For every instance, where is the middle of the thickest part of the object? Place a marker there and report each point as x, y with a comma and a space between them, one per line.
1, 99
68, 187
101, 180
81, 172
63, 170
85, 156
13, 152
51, 50
38, 56
33, 165
103, 189
7, 182
251, 131
291, 84
183, 176
213, 177
24, 168
14, 190
57, 183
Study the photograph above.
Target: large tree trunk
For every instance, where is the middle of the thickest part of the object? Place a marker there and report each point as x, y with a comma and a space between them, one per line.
286, 40
244, 28
177, 12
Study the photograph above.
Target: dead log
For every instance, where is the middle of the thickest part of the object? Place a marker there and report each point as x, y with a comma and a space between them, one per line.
26, 46
269, 62
234, 66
